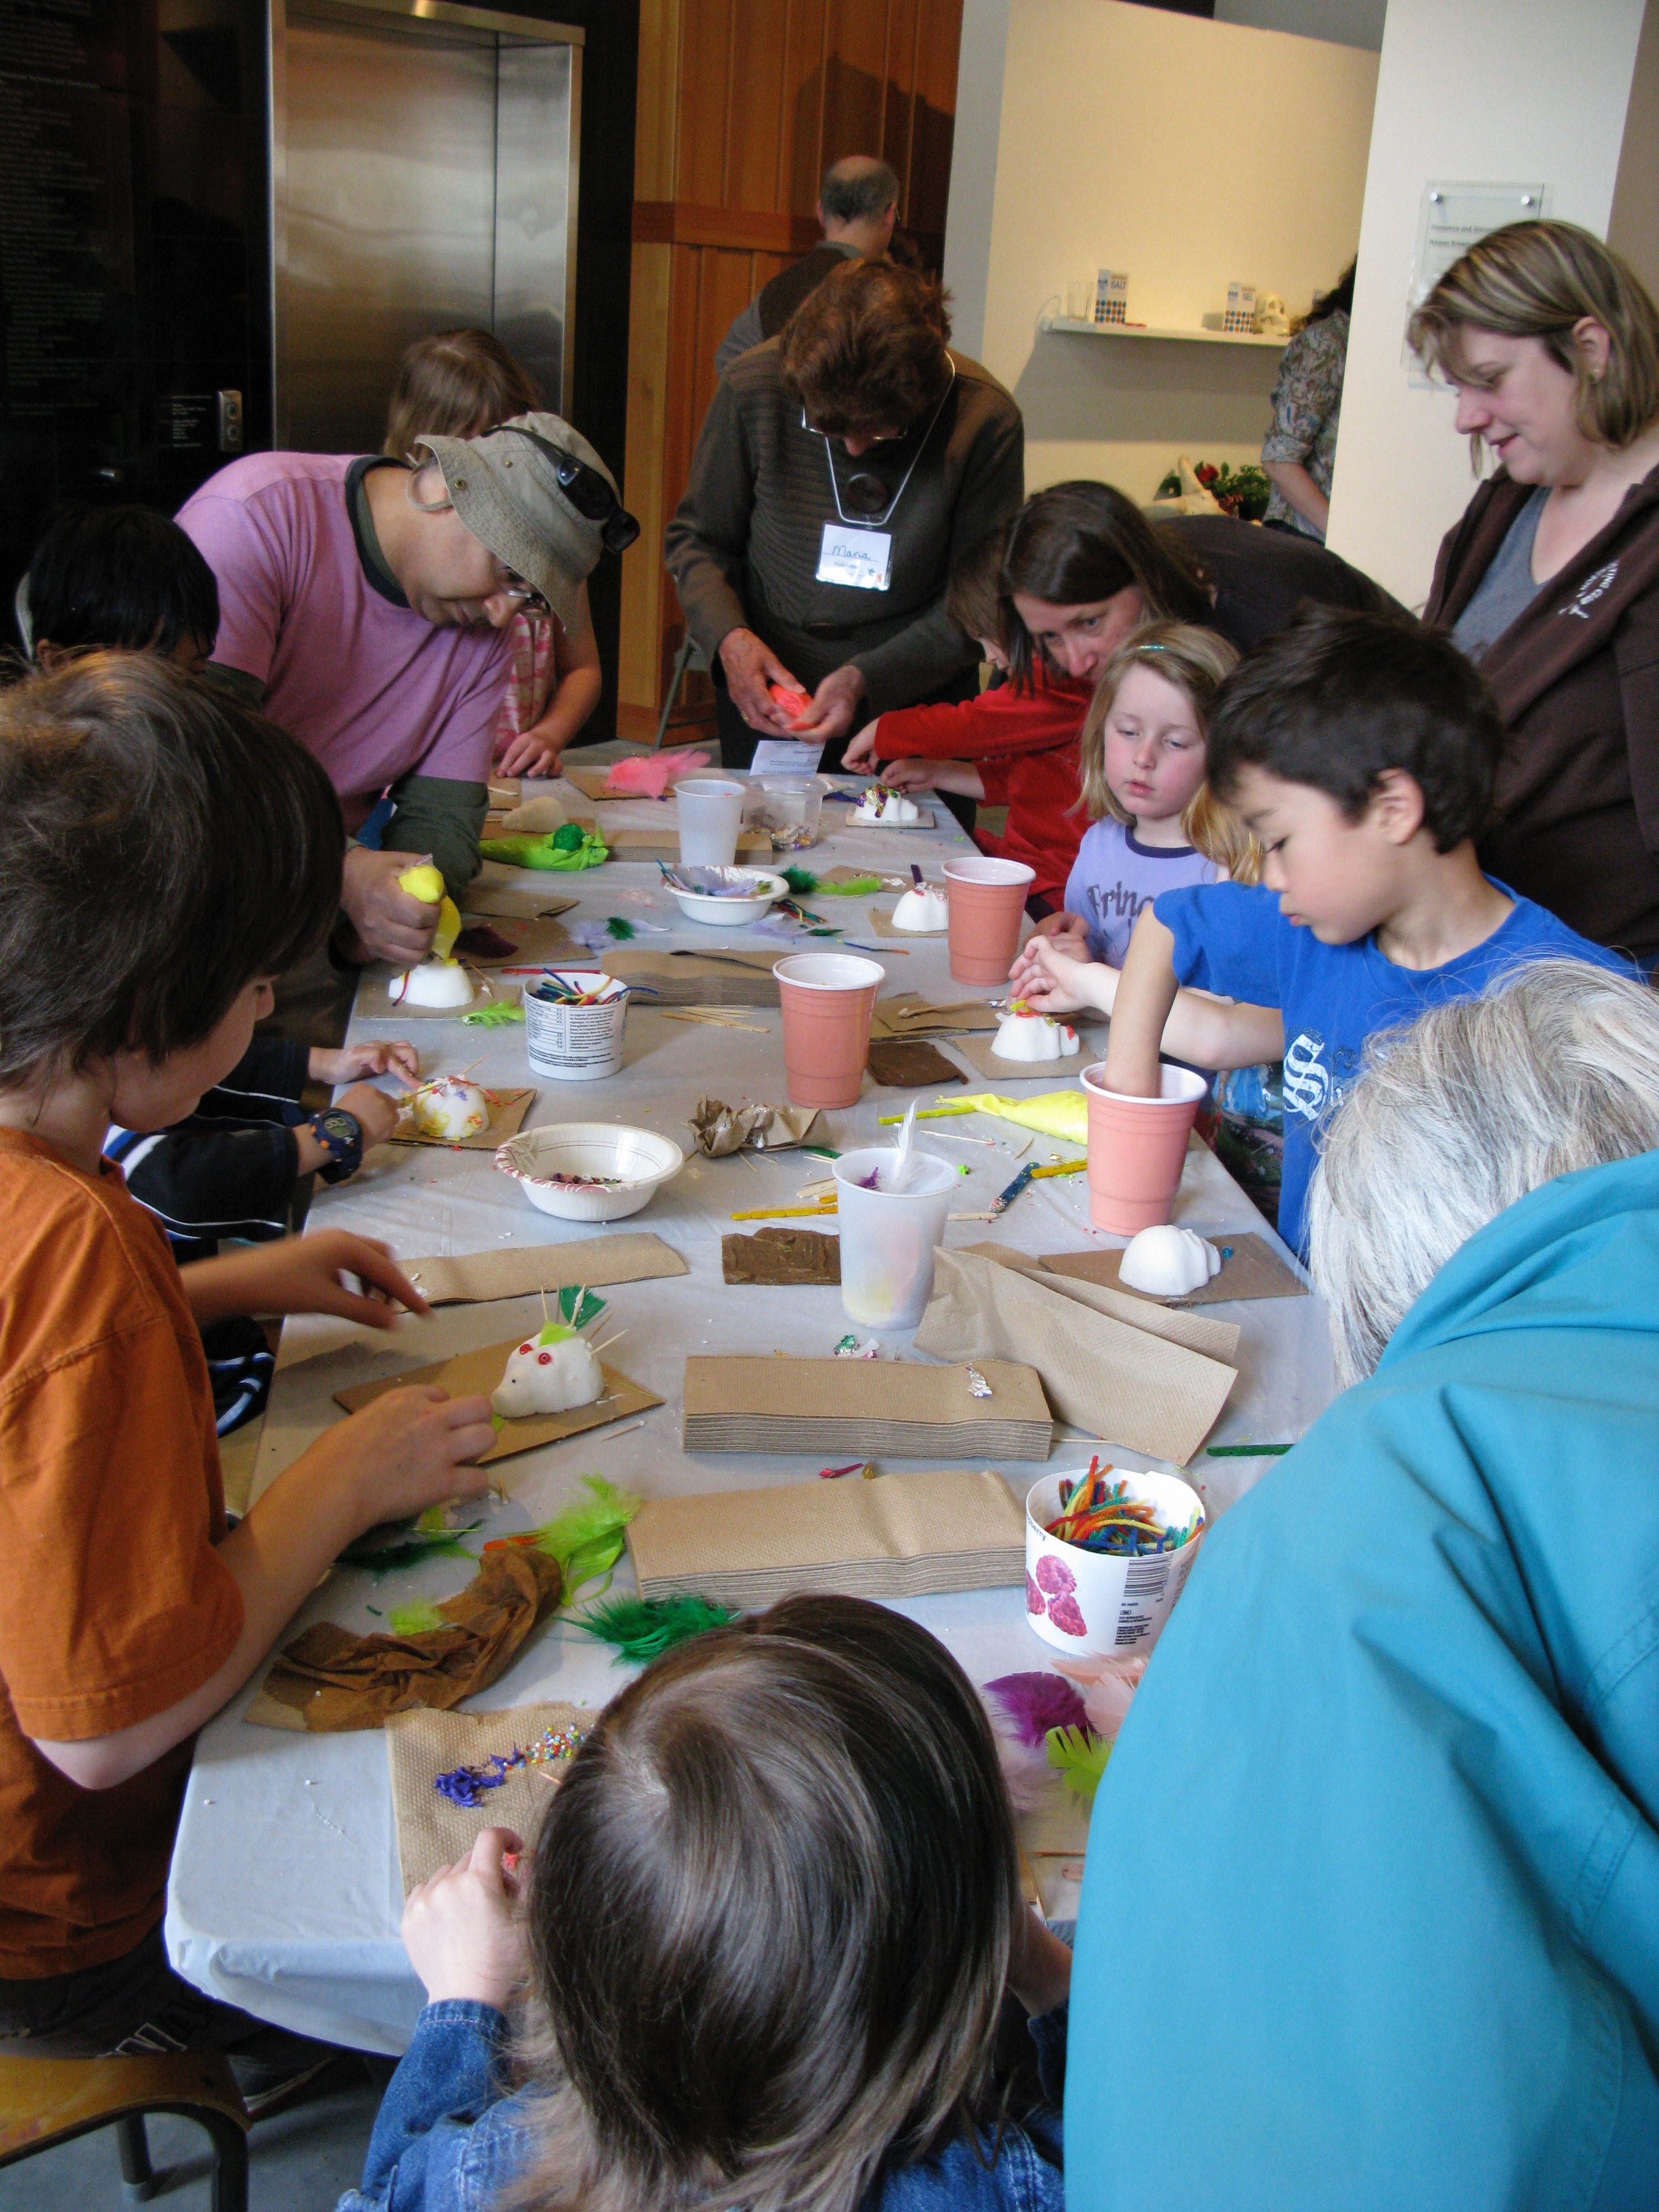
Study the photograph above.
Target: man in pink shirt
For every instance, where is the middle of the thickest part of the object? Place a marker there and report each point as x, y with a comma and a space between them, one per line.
364, 606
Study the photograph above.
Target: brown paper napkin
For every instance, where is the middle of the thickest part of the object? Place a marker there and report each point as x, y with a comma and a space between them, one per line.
432, 1833
910, 1064
900, 1536
781, 1255
700, 979
907, 1014
327, 1681
476, 1374
1216, 1340
476, 1277
1250, 1268
864, 1409
1119, 1383
507, 1111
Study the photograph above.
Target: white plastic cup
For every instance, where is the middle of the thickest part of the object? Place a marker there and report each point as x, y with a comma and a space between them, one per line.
710, 816
576, 1044
888, 1237
1090, 1603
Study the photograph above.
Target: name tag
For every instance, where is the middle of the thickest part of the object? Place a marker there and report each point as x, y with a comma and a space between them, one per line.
862, 558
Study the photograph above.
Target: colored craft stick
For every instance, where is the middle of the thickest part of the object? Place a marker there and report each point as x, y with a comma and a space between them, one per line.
923, 1114
1247, 1451
1005, 1199
1061, 1167
782, 1212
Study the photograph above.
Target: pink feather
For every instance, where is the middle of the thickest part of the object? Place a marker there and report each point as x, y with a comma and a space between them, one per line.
1026, 1771
1112, 1684
647, 775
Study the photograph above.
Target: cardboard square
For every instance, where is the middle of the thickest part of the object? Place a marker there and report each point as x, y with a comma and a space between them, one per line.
781, 1255
537, 943
504, 792
900, 1536
882, 925
597, 1262
374, 1002
979, 1053
594, 783
507, 1111
910, 1064
907, 1014
1250, 1268
432, 1833
1216, 1340
476, 1374
850, 799
661, 841
517, 901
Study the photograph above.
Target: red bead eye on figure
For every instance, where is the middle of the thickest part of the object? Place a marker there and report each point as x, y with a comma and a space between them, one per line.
526, 1347
543, 1359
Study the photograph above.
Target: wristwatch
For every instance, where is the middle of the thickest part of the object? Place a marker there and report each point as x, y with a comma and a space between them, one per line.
341, 1136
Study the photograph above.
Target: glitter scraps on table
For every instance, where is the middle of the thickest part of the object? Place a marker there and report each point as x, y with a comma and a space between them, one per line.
465, 1785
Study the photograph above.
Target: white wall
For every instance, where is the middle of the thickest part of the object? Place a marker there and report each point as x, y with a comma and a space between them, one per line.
1187, 152
1489, 91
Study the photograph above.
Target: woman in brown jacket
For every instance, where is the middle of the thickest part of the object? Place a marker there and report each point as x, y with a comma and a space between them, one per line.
1551, 580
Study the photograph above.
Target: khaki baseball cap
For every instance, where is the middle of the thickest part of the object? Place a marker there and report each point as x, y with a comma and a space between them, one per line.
506, 490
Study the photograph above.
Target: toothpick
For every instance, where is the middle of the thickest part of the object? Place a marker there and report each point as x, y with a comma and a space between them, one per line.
610, 1433
545, 1322
957, 1136
609, 1341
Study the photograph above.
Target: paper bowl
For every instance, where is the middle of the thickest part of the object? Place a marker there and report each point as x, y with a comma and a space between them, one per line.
640, 1159
698, 906
1090, 1604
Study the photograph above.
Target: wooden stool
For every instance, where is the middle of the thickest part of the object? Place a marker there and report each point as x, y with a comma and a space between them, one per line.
44, 2102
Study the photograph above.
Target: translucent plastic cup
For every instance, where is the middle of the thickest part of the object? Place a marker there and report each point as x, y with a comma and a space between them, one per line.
888, 1237
790, 808
827, 1000
1136, 1148
711, 815
987, 898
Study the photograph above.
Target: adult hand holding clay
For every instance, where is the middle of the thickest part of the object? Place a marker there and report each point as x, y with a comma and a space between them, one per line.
844, 470
364, 606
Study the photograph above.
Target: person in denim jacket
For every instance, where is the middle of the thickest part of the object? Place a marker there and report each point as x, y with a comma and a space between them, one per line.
759, 1954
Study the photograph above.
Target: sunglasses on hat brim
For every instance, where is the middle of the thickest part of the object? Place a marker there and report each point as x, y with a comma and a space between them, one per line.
587, 492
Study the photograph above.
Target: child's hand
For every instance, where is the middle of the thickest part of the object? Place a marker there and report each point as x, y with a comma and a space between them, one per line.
1069, 931
464, 1930
408, 1450
526, 754
860, 758
398, 1057
1047, 977
301, 1274
377, 1113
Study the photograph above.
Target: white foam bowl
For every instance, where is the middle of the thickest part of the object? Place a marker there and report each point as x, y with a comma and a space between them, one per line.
699, 906
640, 1159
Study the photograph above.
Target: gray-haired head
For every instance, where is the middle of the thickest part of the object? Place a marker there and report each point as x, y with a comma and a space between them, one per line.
1458, 1117
857, 189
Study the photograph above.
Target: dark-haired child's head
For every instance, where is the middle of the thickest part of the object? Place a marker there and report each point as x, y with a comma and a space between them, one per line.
455, 384
120, 580
771, 1909
1082, 566
973, 598
1350, 744
164, 856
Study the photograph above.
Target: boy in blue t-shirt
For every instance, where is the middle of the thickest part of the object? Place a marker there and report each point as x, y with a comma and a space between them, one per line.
1361, 749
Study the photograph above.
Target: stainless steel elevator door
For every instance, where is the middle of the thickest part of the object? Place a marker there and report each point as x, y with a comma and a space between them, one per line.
391, 228
534, 172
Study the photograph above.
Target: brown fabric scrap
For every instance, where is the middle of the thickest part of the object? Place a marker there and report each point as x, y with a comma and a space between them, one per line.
781, 1255
326, 1681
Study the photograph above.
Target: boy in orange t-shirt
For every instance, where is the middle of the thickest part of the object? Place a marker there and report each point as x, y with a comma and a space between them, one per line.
163, 856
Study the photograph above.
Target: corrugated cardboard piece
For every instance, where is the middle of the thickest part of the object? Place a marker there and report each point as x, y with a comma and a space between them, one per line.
475, 1278
1250, 1268
864, 1409
662, 843
1216, 1340
908, 1014
1117, 1382
507, 1111
432, 1833
781, 1255
700, 979
476, 1374
500, 900
882, 925
910, 1064
978, 1052
901, 1535
374, 1002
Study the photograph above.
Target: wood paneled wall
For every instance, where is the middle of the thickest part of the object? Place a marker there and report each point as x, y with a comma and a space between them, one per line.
742, 105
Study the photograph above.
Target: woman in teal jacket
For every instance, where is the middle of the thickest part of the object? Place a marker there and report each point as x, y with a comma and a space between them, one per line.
1371, 1916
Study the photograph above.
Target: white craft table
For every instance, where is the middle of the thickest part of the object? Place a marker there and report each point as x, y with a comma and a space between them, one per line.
284, 1895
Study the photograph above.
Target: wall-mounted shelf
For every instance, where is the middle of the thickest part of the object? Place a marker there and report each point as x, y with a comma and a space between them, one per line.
1140, 330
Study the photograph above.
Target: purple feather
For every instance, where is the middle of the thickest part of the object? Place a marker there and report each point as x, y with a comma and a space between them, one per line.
1034, 1704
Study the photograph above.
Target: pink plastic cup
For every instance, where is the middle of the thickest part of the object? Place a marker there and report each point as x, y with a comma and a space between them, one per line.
827, 1000
987, 898
1136, 1148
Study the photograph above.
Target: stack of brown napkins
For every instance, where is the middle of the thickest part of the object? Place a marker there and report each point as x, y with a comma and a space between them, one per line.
901, 1535
700, 979
1126, 1384
475, 1278
864, 1409
781, 1255
326, 1681
908, 1014
432, 1833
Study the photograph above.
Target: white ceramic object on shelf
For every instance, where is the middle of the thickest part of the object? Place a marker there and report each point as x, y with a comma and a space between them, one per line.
1167, 1262
627, 1167
764, 891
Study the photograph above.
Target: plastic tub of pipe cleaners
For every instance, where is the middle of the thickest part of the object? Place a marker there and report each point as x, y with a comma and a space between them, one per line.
1107, 1555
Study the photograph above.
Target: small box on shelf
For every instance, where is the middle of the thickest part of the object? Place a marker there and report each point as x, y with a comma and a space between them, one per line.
1240, 314
1112, 296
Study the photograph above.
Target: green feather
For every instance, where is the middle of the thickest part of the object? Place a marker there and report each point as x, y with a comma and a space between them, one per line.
621, 928
586, 1539
419, 1616
495, 1016
643, 1628
801, 881
1081, 1755
578, 1306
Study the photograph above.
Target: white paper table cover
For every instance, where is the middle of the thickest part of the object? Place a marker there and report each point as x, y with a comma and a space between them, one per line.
284, 1895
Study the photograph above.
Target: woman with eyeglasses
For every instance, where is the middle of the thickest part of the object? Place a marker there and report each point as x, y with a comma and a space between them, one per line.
844, 470
366, 606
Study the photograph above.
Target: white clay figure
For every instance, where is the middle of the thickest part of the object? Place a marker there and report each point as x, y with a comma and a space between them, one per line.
449, 1107
1024, 1034
433, 983
1167, 1262
923, 908
890, 808
550, 1375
